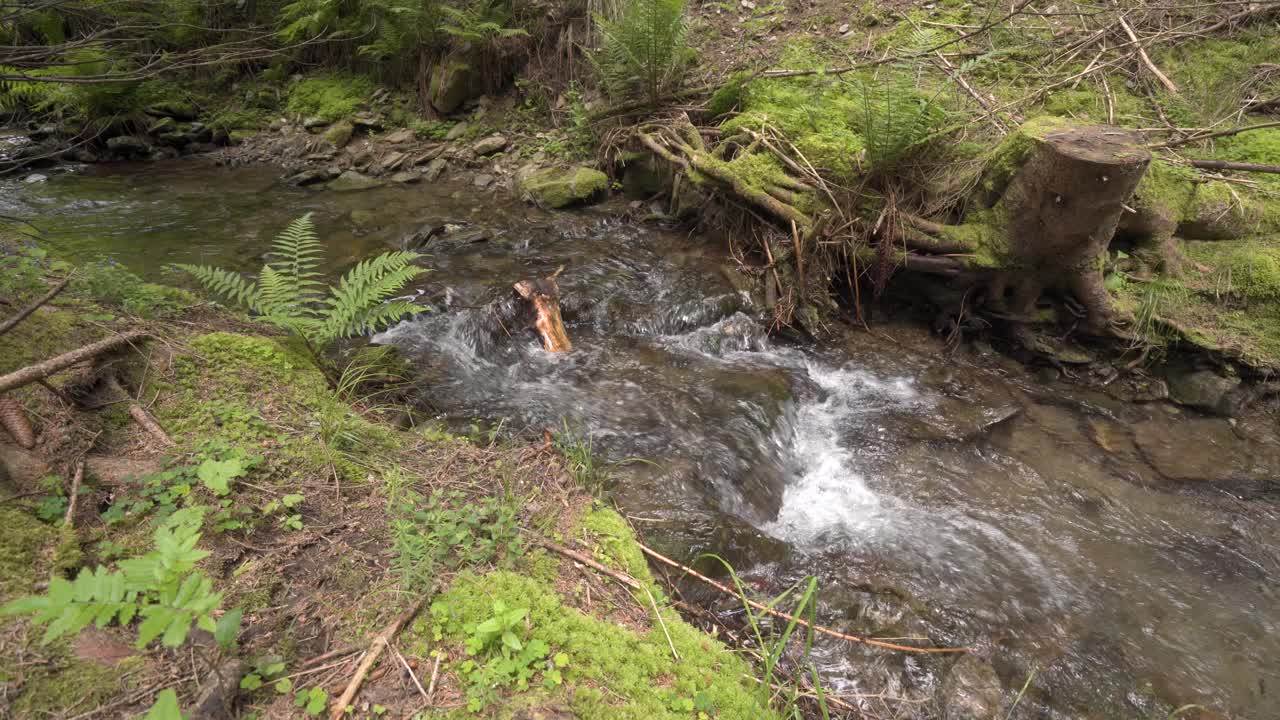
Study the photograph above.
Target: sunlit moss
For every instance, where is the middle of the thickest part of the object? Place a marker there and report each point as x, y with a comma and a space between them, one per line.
328, 97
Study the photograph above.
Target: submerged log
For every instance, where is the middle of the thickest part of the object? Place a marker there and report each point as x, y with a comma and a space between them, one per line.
543, 295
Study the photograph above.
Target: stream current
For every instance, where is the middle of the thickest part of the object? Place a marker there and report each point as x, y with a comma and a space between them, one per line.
947, 498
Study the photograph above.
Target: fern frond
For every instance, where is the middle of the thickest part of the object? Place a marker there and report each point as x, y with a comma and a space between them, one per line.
225, 283
356, 304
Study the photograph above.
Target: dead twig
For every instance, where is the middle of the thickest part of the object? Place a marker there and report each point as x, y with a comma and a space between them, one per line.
76, 479
1227, 165
1146, 59
1210, 136
9, 324
375, 651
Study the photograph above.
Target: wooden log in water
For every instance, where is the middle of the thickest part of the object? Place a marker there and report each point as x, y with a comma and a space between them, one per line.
544, 296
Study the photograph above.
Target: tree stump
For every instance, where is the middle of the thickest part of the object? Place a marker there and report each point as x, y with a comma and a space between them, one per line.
1062, 209
543, 296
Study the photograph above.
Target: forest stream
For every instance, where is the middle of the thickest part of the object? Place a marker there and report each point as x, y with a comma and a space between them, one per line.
947, 498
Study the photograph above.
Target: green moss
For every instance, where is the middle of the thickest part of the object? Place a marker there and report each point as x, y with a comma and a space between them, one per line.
23, 539
617, 540
1006, 159
57, 690
1249, 269
728, 97
557, 187
45, 334
644, 682
111, 285
1090, 104
1214, 76
328, 97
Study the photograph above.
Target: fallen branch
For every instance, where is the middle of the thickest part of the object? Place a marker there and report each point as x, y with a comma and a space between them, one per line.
1227, 165
1146, 59
140, 414
1210, 136
57, 364
790, 618
370, 657
578, 557
9, 324
76, 479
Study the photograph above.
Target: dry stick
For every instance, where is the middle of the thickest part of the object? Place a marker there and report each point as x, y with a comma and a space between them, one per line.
140, 414
1227, 165
8, 325
330, 655
75, 490
435, 674
1210, 136
579, 557
654, 604
790, 618
1146, 59
412, 675
375, 651
32, 373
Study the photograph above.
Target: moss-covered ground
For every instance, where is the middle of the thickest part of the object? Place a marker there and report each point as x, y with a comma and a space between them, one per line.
335, 522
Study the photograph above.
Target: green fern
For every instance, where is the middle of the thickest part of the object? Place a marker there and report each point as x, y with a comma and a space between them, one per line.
162, 588
480, 21
289, 292
645, 51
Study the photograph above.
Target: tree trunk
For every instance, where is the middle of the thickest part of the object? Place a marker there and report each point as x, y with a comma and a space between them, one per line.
1062, 209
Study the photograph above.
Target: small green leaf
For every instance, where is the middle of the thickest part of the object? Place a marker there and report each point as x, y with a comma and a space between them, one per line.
291, 500
227, 628
165, 707
218, 474
284, 685
561, 659
252, 681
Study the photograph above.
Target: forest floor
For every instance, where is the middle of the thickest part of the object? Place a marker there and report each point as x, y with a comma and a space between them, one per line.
324, 521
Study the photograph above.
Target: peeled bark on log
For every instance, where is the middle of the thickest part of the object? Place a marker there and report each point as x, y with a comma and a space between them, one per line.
544, 296
14, 419
57, 364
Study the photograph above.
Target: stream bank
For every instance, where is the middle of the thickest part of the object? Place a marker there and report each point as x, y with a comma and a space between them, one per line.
925, 492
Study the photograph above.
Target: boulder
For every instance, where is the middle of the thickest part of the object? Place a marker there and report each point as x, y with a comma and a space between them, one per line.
404, 177
352, 181
1204, 390
560, 187
453, 83
482, 180
314, 123
368, 122
489, 145
313, 176
339, 133
162, 125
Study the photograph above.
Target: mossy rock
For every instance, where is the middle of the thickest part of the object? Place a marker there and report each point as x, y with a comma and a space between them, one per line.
559, 187
453, 83
339, 134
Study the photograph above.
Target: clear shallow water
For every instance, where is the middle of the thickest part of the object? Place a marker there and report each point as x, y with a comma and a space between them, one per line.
932, 497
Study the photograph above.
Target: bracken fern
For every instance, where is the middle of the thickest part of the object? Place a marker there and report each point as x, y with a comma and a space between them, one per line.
289, 292
644, 53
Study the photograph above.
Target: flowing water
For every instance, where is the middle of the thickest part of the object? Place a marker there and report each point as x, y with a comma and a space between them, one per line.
937, 497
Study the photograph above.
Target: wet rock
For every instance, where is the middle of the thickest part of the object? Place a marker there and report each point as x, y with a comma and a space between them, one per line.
1205, 450
352, 181
163, 152
128, 145
435, 169
400, 137
314, 123
489, 145
362, 158
200, 147
368, 122
482, 180
465, 236
43, 132
392, 161
84, 155
1204, 390
643, 178
34, 178
419, 238
339, 134
971, 691
558, 187
314, 176
363, 218
457, 131
176, 109
404, 177
163, 125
